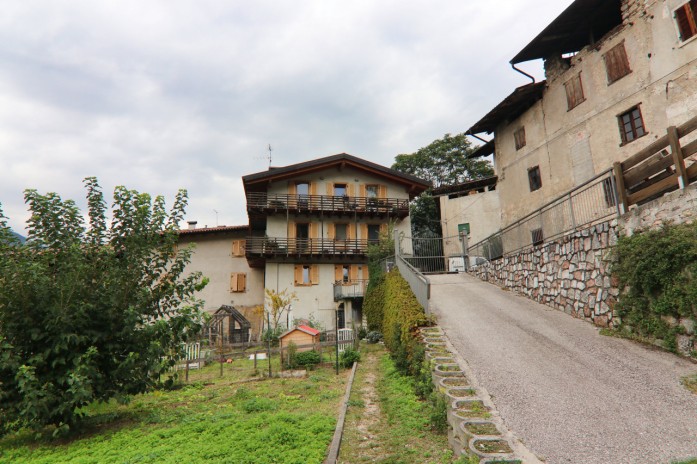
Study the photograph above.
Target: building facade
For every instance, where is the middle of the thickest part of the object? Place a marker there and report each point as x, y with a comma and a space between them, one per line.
618, 74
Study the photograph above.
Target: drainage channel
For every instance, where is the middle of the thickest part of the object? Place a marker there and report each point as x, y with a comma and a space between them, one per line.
474, 425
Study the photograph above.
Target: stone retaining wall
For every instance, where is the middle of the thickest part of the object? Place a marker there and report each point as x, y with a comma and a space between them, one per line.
570, 274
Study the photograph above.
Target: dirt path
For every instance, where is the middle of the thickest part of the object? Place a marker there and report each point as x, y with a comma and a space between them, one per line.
361, 437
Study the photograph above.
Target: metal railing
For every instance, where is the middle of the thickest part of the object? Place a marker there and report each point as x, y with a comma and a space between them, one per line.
418, 282
279, 246
350, 289
591, 202
270, 203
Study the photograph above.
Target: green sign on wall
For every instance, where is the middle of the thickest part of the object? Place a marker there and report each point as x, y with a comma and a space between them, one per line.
463, 227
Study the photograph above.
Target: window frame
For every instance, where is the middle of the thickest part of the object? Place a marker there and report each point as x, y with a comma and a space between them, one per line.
690, 10
616, 63
537, 178
344, 186
573, 88
632, 120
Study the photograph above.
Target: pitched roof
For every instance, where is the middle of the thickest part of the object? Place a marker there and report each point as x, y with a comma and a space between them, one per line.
302, 328
258, 180
510, 108
582, 23
213, 230
465, 187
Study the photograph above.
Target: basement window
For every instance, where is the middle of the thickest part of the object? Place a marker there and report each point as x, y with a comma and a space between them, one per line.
631, 125
534, 178
537, 236
616, 63
686, 19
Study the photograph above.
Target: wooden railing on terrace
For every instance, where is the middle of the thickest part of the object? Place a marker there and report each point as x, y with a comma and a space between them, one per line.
281, 247
271, 203
654, 171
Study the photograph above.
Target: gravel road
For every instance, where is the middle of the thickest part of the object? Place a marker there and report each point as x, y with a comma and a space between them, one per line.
569, 394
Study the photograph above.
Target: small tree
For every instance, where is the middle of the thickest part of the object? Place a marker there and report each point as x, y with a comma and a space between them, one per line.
277, 303
90, 313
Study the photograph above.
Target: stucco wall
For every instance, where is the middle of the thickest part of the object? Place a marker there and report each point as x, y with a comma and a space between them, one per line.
481, 210
213, 257
572, 145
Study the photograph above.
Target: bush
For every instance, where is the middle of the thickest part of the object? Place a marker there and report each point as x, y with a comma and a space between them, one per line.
308, 359
292, 361
362, 333
374, 336
348, 357
439, 412
657, 275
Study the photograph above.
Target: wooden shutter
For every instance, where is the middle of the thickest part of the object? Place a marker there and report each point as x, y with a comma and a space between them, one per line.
353, 273
382, 191
235, 248
574, 92
298, 274
314, 274
243, 247
350, 190
313, 188
241, 282
383, 228
686, 17
362, 191
291, 229
330, 189
331, 231
314, 230
292, 189
366, 272
233, 282
338, 272
616, 63
364, 230
351, 231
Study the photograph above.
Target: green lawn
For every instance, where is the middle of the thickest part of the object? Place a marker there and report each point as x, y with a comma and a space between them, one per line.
219, 421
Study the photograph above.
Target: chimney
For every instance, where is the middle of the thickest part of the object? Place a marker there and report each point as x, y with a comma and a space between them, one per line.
192, 224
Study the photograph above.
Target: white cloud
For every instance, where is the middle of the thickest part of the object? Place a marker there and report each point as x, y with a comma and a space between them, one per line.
166, 94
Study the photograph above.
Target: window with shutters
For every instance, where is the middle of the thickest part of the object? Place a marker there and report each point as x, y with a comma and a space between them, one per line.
616, 63
574, 92
238, 247
373, 233
519, 136
238, 282
631, 125
534, 178
686, 19
340, 190
306, 275
341, 231
372, 191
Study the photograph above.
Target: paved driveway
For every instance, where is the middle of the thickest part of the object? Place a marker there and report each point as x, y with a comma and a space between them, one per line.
569, 394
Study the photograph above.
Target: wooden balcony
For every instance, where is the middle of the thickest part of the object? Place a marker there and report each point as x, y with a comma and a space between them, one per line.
263, 203
261, 248
349, 290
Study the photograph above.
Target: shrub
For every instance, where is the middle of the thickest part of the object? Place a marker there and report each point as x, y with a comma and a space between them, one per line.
439, 412
362, 333
348, 357
374, 303
258, 405
374, 336
657, 272
308, 359
292, 361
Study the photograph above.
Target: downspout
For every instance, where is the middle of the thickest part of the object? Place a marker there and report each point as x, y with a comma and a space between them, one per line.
523, 73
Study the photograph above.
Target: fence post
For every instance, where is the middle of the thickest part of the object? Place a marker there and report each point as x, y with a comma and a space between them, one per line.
678, 158
571, 209
621, 189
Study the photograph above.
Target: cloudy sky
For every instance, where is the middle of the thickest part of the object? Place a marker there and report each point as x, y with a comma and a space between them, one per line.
161, 95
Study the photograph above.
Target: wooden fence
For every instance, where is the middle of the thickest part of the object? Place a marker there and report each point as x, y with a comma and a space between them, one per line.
654, 171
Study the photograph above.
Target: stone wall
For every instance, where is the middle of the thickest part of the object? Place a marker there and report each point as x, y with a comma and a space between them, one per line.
570, 274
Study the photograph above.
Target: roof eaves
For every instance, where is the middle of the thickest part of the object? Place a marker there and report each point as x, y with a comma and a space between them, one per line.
519, 101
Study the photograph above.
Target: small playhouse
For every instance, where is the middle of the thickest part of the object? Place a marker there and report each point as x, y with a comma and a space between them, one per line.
305, 338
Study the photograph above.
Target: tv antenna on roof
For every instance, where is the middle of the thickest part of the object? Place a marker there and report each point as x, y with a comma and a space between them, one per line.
216, 217
270, 149
266, 157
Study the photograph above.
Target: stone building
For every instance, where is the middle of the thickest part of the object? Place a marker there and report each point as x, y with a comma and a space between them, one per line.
618, 74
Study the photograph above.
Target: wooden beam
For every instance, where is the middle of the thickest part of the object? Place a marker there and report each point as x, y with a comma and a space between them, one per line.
678, 158
621, 189
658, 145
653, 165
662, 186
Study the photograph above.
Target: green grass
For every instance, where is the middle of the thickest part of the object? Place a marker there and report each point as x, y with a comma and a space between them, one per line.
220, 421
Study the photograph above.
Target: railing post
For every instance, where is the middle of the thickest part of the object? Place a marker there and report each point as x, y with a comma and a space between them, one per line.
678, 159
571, 210
621, 189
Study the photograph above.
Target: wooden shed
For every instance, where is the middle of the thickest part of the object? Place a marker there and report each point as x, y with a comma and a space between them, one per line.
305, 338
228, 326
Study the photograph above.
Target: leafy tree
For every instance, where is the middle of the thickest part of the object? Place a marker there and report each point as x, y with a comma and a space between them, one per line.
443, 162
90, 313
278, 303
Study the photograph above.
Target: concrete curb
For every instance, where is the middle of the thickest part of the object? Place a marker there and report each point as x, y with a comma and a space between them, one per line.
333, 454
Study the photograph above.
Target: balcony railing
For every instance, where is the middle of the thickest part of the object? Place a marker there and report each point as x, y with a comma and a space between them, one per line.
350, 289
279, 247
273, 203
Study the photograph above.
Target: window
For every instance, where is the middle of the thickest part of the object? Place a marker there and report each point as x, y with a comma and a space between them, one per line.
519, 136
574, 92
534, 178
538, 237
686, 18
306, 275
340, 190
631, 125
616, 63
345, 273
341, 231
373, 233
371, 191
302, 188
238, 282
238, 247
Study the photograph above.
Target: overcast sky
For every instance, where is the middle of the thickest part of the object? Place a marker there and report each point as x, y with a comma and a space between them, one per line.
161, 95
